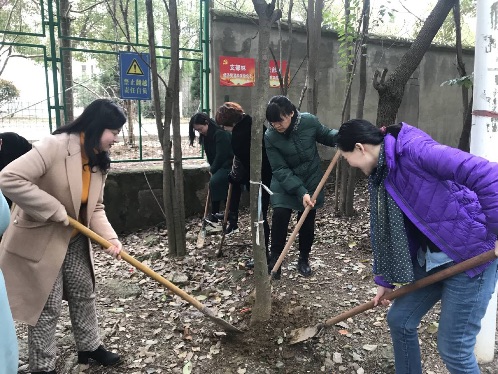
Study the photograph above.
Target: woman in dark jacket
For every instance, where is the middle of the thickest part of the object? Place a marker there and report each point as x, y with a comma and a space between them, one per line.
232, 118
12, 146
430, 206
291, 147
218, 148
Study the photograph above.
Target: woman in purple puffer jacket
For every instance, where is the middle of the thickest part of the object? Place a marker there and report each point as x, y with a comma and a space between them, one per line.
430, 206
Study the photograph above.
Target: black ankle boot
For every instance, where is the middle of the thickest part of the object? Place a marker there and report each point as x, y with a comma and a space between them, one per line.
271, 264
101, 355
303, 267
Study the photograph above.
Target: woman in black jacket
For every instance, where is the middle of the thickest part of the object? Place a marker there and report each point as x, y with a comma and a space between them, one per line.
217, 145
232, 118
12, 146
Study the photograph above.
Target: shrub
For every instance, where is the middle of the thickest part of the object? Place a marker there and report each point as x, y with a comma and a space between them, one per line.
8, 92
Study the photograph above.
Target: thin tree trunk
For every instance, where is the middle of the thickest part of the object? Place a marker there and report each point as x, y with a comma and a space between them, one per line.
314, 24
67, 60
349, 199
346, 111
464, 142
130, 122
289, 51
178, 193
124, 10
167, 190
363, 60
267, 16
391, 90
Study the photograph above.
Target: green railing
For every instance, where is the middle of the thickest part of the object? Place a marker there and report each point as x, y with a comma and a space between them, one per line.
50, 39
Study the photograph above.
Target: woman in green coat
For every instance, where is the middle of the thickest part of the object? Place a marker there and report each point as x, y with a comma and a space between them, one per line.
218, 147
291, 147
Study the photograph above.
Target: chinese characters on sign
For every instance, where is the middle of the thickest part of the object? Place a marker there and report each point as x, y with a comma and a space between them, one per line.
134, 72
237, 71
274, 82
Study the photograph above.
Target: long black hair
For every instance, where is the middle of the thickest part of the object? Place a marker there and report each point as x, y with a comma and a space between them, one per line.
99, 115
277, 106
199, 119
361, 131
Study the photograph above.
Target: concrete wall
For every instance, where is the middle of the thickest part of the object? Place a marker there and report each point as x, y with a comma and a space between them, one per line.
133, 198
435, 109
130, 195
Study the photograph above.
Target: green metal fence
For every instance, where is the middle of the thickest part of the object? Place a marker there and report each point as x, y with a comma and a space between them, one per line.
78, 44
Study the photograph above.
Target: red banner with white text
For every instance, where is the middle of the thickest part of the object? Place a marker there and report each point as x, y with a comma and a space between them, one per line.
274, 82
237, 71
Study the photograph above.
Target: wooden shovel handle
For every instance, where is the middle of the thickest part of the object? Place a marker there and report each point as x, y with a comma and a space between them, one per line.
436, 277
137, 264
305, 213
219, 252
206, 206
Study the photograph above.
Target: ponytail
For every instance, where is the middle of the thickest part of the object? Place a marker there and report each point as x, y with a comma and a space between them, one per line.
361, 131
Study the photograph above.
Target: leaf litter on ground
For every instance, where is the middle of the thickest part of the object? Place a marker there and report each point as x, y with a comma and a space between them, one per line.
155, 331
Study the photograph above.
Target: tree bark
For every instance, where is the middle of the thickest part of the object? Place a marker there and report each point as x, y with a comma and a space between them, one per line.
174, 84
124, 10
67, 60
349, 198
343, 172
314, 25
267, 16
464, 142
173, 195
289, 52
391, 90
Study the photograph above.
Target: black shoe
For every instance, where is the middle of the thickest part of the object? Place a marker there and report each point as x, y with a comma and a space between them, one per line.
277, 275
274, 276
213, 220
213, 224
249, 264
219, 216
44, 372
303, 267
231, 229
101, 355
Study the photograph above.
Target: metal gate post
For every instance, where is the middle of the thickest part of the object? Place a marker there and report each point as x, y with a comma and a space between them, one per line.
206, 70
51, 23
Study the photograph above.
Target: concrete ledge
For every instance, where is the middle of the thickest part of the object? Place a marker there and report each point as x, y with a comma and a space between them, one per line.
133, 198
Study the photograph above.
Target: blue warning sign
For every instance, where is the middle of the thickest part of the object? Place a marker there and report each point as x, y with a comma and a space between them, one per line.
134, 73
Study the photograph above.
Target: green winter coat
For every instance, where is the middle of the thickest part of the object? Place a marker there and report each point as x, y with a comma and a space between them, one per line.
295, 162
218, 147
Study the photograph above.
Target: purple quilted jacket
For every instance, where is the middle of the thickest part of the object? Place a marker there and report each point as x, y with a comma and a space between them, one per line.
450, 195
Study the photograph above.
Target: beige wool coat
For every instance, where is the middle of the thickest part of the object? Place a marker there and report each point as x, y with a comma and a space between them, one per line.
45, 183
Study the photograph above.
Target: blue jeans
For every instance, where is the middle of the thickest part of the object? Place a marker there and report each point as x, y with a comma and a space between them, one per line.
463, 304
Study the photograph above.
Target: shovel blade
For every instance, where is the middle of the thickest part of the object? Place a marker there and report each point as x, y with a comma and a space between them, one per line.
201, 237
304, 333
226, 326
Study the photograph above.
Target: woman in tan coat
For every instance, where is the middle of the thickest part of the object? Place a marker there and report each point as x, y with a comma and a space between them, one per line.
40, 255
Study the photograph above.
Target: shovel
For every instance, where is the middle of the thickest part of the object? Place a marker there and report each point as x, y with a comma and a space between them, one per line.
148, 271
202, 234
305, 214
219, 253
304, 333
